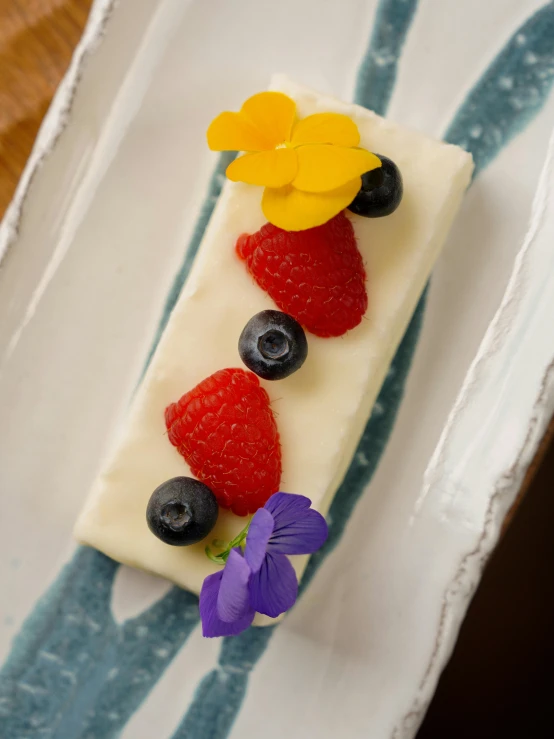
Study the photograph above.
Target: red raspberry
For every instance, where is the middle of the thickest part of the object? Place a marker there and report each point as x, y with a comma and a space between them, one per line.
317, 276
225, 430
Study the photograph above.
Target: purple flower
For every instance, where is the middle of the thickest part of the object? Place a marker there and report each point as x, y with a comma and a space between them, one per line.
263, 579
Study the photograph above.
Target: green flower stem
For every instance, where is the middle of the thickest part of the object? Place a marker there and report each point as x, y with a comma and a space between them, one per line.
222, 557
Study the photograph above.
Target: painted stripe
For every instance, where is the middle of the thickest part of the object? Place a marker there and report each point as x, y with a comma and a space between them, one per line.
73, 671
510, 93
377, 73
221, 692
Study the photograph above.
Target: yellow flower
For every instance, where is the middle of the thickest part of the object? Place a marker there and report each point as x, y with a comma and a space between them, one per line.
311, 168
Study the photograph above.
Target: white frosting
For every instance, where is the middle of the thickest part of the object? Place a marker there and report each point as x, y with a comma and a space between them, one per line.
321, 410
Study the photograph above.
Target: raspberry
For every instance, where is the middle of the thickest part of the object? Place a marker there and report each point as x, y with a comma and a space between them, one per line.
225, 430
317, 276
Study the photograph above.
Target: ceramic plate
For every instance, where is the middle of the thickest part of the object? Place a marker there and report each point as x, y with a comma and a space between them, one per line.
99, 238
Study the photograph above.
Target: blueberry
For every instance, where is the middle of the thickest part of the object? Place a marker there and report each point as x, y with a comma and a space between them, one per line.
273, 345
381, 191
182, 511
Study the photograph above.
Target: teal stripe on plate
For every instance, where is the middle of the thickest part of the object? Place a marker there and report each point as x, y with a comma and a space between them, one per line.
510, 93
73, 671
378, 70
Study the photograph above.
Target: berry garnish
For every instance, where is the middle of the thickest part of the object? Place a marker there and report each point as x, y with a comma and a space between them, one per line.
317, 276
182, 511
273, 345
381, 191
225, 430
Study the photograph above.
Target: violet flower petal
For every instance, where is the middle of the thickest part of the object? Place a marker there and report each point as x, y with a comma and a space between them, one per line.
273, 589
233, 600
303, 536
259, 533
287, 507
212, 625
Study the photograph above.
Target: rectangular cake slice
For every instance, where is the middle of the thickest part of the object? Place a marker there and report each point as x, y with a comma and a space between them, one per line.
322, 409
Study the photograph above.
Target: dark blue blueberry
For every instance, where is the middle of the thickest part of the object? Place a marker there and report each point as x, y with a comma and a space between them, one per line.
182, 511
273, 345
381, 191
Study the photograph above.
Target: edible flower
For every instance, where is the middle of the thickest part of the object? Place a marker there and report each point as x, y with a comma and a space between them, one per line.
262, 579
311, 168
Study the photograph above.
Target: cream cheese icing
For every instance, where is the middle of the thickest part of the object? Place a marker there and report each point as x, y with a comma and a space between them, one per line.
322, 409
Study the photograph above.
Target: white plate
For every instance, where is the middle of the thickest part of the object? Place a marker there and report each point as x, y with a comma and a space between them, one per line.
97, 231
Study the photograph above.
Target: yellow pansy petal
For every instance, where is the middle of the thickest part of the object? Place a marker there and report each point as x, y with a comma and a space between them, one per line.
322, 167
234, 132
270, 168
326, 128
295, 210
272, 113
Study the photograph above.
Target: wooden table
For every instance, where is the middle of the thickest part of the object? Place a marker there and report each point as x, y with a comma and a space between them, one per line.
37, 38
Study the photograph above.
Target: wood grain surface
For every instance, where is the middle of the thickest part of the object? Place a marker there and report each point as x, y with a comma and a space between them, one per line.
37, 38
